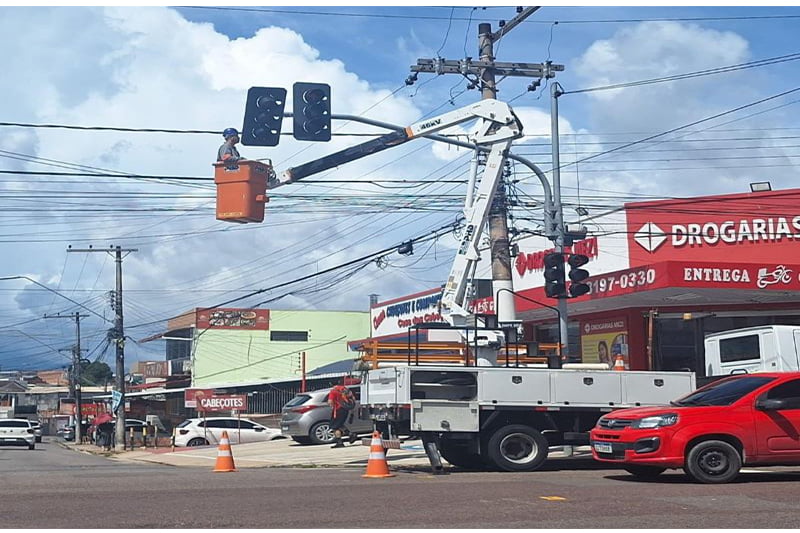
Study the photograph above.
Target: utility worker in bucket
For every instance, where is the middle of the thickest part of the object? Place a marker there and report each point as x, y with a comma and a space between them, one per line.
342, 401
228, 153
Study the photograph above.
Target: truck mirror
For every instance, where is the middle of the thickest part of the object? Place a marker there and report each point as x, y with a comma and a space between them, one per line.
764, 404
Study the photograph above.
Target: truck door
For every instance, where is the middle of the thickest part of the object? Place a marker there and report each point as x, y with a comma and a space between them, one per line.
778, 426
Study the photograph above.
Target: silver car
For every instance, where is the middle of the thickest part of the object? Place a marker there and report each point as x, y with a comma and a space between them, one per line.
307, 418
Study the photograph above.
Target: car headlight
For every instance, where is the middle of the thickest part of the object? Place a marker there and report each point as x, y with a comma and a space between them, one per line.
650, 422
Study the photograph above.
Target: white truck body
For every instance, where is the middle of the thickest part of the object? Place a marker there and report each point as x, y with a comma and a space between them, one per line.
756, 349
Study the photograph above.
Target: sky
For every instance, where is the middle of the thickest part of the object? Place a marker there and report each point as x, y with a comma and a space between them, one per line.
188, 69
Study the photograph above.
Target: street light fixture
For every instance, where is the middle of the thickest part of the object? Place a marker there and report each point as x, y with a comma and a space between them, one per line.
760, 186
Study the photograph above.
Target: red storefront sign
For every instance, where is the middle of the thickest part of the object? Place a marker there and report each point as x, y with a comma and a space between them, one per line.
219, 318
226, 402
683, 274
529, 262
740, 228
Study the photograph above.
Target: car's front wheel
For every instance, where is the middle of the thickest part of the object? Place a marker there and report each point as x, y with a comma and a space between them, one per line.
197, 442
713, 461
302, 440
321, 433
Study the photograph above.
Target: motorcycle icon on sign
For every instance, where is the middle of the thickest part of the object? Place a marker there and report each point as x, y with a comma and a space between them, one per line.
781, 274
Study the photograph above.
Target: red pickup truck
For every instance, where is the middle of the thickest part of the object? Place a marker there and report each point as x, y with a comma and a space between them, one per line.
747, 419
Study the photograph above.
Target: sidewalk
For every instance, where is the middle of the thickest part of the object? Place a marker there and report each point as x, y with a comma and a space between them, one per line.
278, 453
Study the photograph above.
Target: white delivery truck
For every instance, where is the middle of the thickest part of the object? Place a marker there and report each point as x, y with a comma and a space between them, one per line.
756, 349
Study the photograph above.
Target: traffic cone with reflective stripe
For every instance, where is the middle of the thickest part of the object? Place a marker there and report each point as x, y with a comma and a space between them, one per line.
224, 455
619, 364
377, 465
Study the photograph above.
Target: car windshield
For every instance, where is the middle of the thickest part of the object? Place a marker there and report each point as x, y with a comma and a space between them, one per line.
723, 392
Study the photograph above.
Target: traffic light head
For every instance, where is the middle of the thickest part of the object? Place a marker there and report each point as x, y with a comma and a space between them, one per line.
555, 285
263, 116
578, 275
312, 111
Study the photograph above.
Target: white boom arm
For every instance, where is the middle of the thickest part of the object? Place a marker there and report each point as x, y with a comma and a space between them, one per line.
497, 127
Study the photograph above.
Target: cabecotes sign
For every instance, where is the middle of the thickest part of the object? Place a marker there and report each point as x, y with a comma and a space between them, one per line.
225, 402
741, 228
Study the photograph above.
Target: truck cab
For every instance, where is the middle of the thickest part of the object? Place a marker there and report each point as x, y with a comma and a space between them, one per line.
756, 349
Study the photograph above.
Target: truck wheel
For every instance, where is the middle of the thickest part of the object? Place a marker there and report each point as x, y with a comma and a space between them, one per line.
517, 448
713, 461
321, 433
458, 455
645, 471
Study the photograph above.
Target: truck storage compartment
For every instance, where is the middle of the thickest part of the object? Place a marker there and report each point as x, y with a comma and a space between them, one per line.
655, 388
509, 387
444, 415
443, 385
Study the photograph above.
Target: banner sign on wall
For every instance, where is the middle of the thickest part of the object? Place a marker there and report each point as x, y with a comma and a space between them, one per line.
219, 318
396, 316
603, 340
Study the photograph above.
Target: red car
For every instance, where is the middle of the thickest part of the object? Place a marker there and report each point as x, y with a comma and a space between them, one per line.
747, 419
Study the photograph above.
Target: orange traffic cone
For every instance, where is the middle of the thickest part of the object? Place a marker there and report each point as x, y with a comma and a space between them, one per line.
377, 465
224, 455
619, 364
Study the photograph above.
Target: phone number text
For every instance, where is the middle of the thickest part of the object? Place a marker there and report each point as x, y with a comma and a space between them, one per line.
629, 280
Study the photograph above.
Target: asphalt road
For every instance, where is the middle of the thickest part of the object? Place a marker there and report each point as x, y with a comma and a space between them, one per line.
54, 487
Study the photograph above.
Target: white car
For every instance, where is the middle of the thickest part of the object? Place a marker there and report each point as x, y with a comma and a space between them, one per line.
17, 431
37, 429
205, 431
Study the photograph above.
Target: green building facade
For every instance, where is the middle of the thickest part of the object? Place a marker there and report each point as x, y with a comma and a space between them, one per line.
238, 356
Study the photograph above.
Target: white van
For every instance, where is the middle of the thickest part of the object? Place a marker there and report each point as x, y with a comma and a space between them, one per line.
17, 431
756, 349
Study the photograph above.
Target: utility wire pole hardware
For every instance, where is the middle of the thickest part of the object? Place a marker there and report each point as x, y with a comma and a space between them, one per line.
484, 72
119, 336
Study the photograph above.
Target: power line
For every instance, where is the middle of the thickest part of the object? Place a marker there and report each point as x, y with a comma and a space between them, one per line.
695, 74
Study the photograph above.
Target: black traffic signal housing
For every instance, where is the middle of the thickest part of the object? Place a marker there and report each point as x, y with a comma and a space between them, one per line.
578, 275
263, 116
555, 285
312, 111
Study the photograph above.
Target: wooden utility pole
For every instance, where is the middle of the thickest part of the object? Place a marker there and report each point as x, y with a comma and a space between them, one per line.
485, 70
119, 337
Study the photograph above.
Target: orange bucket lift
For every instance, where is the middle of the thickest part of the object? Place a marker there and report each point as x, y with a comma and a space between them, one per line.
241, 190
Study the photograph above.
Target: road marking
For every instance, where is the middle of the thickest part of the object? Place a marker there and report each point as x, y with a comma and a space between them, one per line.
553, 498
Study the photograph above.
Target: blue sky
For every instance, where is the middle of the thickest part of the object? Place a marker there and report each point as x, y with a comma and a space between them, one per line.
190, 68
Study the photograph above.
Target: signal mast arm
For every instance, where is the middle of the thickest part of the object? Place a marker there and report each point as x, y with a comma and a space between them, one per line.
498, 126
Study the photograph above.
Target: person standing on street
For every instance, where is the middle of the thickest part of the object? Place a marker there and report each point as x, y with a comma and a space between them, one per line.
228, 153
342, 401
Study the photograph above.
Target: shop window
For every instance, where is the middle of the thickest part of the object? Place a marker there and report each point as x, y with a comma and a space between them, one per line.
739, 349
288, 336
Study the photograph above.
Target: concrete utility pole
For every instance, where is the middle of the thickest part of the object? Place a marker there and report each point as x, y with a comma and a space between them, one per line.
486, 69
75, 382
119, 337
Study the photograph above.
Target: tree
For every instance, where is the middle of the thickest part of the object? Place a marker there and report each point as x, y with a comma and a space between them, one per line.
95, 374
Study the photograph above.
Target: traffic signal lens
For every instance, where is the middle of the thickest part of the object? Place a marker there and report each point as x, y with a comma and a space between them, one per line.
314, 96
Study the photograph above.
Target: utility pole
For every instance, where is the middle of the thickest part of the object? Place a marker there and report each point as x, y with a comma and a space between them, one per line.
119, 337
563, 319
75, 382
485, 70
